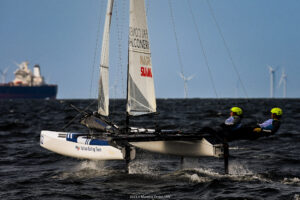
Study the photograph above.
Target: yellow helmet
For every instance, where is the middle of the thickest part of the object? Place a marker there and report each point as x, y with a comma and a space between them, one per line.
276, 111
237, 110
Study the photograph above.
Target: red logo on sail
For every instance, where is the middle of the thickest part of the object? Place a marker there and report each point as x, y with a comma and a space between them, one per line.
146, 72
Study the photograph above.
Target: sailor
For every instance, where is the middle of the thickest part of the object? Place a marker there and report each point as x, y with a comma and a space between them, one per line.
234, 122
272, 125
231, 128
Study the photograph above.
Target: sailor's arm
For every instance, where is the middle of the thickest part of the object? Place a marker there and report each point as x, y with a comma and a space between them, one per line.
269, 127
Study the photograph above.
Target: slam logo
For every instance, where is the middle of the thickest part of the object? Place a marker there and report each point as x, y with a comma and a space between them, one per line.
146, 72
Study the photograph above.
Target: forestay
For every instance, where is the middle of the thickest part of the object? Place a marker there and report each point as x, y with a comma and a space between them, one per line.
141, 94
103, 98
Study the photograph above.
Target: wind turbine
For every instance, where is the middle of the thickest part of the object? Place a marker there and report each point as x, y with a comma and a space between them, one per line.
185, 80
3, 74
18, 64
23, 65
272, 74
283, 81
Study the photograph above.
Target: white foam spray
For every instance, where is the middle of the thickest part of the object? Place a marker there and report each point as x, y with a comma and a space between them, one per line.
291, 181
237, 169
141, 167
85, 169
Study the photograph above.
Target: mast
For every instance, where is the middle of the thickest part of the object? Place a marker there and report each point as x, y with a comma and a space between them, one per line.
140, 85
127, 114
103, 95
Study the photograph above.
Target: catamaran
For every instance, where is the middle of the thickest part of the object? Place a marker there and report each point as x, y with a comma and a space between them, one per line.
107, 141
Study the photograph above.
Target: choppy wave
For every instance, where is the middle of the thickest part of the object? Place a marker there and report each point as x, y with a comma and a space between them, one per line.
292, 181
267, 168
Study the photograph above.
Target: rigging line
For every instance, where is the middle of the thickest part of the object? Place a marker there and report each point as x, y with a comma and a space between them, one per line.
203, 50
227, 48
96, 48
72, 120
176, 39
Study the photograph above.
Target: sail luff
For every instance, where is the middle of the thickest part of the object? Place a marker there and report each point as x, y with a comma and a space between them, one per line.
140, 85
103, 95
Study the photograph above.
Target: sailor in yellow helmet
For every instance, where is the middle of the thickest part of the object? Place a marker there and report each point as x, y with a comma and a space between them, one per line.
234, 122
270, 126
231, 127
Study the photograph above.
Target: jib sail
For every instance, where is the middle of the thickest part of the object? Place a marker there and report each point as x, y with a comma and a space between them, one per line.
103, 96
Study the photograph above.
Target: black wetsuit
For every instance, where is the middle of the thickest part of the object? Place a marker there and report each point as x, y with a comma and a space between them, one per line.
247, 133
228, 133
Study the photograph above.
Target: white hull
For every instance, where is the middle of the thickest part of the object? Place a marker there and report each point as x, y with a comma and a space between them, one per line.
81, 147
182, 148
52, 141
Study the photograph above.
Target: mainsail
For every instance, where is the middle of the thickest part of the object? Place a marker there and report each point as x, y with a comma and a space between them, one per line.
140, 85
103, 96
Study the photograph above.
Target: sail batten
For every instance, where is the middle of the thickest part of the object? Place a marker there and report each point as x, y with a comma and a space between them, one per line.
103, 95
140, 85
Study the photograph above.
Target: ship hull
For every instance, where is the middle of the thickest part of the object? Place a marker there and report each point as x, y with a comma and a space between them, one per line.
28, 92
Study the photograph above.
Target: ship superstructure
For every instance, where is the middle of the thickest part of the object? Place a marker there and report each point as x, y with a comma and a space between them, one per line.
28, 84
24, 76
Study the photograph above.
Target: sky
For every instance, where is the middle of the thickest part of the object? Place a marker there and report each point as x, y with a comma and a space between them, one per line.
64, 37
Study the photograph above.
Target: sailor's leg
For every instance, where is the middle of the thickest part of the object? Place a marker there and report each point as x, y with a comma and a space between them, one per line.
217, 133
207, 129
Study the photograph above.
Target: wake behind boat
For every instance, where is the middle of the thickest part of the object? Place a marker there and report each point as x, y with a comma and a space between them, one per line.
107, 141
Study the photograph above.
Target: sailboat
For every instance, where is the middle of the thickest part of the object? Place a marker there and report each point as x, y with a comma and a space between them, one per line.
106, 140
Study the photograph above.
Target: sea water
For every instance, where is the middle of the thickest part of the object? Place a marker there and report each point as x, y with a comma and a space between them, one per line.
267, 168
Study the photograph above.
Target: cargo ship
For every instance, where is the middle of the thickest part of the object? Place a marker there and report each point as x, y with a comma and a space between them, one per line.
28, 85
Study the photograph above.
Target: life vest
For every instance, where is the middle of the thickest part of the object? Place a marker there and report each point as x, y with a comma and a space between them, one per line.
234, 122
271, 125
